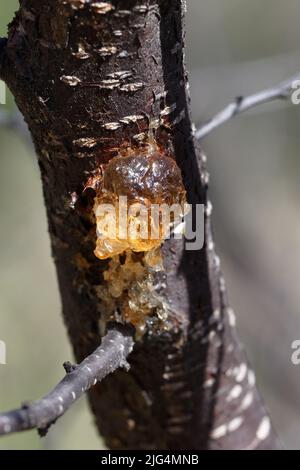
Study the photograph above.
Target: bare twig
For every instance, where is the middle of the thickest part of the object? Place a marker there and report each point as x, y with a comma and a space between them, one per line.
112, 354
241, 104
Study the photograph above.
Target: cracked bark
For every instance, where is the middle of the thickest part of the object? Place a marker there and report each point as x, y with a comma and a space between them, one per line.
63, 63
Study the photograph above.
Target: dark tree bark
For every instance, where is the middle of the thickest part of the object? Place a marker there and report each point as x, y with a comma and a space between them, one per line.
77, 68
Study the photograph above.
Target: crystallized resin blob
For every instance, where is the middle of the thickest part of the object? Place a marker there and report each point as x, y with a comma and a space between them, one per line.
145, 179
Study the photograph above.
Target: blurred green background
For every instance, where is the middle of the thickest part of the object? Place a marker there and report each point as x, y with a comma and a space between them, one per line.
234, 47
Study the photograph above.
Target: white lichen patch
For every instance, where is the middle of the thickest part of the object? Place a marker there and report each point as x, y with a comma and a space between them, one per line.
208, 209
122, 13
121, 74
219, 432
155, 123
106, 51
81, 53
132, 87
241, 372
138, 26
87, 142
235, 424
263, 429
205, 178
234, 393
160, 96
123, 54
168, 110
227, 428
140, 9
131, 119
102, 7
77, 4
111, 126
246, 402
70, 80
140, 137
109, 84
251, 378
231, 318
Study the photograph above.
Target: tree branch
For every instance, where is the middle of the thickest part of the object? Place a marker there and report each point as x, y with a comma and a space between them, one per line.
241, 104
112, 354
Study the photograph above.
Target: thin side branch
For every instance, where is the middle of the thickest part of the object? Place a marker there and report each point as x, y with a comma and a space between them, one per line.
241, 104
112, 354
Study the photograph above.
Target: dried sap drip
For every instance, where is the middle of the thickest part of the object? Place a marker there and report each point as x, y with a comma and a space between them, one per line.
132, 290
134, 278
145, 179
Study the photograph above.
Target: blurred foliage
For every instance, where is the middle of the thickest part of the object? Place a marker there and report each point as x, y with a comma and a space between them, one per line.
234, 47
6, 15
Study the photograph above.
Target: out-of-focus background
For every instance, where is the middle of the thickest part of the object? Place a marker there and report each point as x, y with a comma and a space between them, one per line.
234, 47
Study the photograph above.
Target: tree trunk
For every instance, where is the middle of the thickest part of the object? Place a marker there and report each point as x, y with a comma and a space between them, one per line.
89, 77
